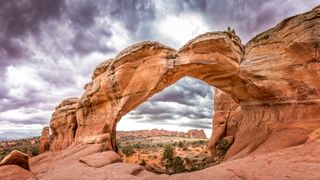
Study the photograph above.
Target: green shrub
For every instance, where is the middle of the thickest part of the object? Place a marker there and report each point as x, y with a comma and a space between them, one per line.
35, 151
180, 144
222, 147
175, 165
168, 152
128, 150
174, 144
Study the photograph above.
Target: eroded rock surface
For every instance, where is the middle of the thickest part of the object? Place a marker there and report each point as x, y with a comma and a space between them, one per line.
274, 78
101, 159
14, 172
227, 117
64, 124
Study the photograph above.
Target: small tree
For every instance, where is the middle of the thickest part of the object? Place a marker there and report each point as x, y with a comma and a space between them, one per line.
35, 151
128, 150
222, 147
175, 165
168, 152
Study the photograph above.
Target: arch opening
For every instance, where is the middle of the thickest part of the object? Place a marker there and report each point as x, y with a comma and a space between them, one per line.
176, 120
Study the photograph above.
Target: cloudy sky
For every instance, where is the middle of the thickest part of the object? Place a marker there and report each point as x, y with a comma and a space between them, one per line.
48, 49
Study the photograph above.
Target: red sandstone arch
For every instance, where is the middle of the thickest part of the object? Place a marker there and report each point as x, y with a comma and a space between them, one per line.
138, 72
274, 78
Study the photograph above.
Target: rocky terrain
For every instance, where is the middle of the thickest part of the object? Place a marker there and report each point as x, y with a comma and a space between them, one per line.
29, 146
268, 104
166, 154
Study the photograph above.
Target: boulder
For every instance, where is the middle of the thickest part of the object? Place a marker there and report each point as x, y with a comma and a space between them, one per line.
16, 158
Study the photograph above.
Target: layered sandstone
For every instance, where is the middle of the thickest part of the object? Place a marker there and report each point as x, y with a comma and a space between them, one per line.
64, 124
274, 79
44, 140
193, 133
227, 117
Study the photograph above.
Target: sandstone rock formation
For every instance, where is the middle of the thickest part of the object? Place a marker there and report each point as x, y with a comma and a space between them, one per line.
16, 158
274, 78
44, 140
193, 133
64, 124
227, 117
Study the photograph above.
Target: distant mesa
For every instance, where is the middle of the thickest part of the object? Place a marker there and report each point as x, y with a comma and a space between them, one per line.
193, 133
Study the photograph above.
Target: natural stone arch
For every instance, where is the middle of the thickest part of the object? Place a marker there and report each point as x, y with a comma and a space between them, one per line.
274, 78
139, 71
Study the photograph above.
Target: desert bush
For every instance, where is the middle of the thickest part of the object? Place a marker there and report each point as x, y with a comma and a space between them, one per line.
175, 165
222, 147
180, 144
128, 150
168, 152
143, 162
35, 151
174, 144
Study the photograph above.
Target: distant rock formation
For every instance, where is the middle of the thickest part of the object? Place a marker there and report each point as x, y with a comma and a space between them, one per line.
273, 78
44, 140
193, 133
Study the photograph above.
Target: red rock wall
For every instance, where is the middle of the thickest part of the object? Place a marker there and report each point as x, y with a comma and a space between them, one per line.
64, 124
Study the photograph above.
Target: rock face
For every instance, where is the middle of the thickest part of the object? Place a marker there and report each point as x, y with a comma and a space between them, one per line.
101, 159
193, 133
16, 158
227, 117
13, 172
44, 140
64, 124
274, 78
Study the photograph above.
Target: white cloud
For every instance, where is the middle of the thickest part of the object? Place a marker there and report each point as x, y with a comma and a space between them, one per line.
179, 29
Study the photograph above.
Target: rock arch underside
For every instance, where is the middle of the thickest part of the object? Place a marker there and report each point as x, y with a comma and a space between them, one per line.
267, 96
